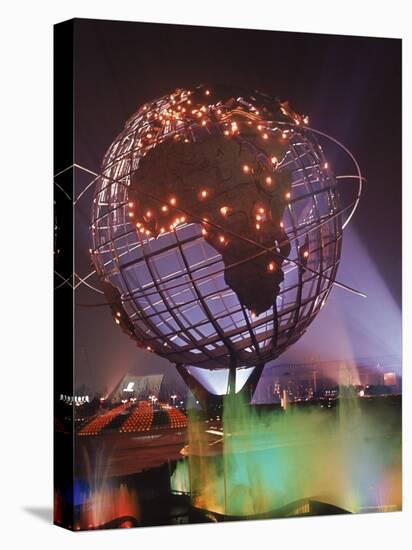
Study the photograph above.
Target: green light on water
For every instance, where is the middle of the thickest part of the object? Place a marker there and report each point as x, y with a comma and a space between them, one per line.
348, 456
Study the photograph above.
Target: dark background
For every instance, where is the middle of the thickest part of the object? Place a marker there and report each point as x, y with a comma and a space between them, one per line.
349, 86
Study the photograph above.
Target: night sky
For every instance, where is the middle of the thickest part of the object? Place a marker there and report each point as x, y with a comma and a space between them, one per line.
349, 86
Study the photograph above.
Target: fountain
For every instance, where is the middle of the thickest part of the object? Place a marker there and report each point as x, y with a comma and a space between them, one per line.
348, 457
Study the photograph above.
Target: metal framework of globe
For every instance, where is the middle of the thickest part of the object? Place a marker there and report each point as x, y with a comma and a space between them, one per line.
167, 286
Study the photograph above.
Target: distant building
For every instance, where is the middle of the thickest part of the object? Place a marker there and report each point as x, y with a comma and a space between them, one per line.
314, 380
138, 387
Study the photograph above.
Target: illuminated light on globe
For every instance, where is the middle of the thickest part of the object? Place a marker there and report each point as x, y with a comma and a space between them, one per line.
217, 232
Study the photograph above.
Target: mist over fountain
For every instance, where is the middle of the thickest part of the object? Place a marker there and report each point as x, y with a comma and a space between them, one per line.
348, 457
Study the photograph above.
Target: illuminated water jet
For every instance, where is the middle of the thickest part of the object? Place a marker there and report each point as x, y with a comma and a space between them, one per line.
108, 504
348, 457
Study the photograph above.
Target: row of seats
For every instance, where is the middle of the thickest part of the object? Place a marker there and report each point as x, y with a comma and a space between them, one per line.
96, 425
140, 419
176, 418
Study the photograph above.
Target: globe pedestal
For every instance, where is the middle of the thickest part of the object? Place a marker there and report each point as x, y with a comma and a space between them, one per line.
232, 382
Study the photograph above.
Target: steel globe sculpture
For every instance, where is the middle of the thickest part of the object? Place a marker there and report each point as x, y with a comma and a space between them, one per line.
217, 231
